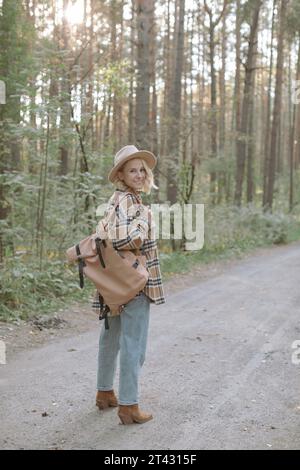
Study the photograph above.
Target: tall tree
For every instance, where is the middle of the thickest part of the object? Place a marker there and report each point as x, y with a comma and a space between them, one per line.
294, 115
236, 99
65, 98
174, 103
131, 128
277, 108
153, 104
213, 23
292, 146
117, 41
223, 105
243, 136
268, 114
144, 17
14, 72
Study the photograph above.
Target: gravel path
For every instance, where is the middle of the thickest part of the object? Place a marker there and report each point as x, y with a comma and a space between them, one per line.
218, 373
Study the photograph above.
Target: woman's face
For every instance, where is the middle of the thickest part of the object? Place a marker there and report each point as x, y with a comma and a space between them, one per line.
133, 174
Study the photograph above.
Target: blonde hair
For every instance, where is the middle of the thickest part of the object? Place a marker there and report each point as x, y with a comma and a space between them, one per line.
149, 180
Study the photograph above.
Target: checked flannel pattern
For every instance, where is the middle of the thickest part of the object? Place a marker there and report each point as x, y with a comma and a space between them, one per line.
130, 225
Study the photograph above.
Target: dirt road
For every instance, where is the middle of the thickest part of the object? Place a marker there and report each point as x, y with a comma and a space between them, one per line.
218, 373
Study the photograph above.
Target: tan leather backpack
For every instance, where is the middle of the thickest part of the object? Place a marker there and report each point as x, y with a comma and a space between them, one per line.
117, 275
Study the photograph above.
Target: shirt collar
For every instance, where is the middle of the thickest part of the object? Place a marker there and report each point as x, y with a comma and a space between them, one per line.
136, 194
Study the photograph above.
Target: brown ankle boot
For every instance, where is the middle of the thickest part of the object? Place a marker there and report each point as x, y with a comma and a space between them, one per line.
130, 414
105, 399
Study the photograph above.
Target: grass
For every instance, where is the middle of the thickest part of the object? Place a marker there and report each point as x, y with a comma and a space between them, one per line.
29, 291
233, 242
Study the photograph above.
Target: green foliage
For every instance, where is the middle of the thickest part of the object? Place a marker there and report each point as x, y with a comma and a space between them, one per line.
293, 19
247, 9
185, 177
230, 232
115, 77
270, 227
31, 282
15, 36
226, 226
27, 290
47, 84
22, 193
28, 286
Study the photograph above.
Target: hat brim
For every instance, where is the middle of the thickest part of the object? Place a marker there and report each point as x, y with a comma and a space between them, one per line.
149, 158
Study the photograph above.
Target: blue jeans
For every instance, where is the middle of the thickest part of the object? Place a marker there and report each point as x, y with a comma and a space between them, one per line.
128, 333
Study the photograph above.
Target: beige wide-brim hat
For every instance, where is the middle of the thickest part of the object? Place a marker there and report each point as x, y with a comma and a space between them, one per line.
127, 153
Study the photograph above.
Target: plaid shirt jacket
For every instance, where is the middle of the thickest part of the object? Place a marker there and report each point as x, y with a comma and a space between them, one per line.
130, 225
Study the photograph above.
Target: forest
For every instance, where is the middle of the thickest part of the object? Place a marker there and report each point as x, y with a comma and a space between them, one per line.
212, 88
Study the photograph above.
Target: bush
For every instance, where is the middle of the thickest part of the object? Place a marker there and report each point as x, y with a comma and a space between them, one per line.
27, 290
227, 227
230, 231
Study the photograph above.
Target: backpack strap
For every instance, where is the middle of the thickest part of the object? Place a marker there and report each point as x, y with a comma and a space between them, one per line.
98, 242
104, 309
81, 265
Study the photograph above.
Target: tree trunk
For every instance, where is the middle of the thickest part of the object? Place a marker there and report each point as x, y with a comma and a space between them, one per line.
167, 80
277, 108
222, 133
163, 129
11, 68
243, 136
174, 106
153, 108
268, 117
131, 136
293, 140
142, 123
116, 13
64, 144
236, 110
250, 145
213, 124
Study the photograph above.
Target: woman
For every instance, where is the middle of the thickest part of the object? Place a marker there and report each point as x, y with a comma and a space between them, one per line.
130, 225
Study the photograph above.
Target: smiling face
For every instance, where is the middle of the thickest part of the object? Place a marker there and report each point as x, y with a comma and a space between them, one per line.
133, 174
